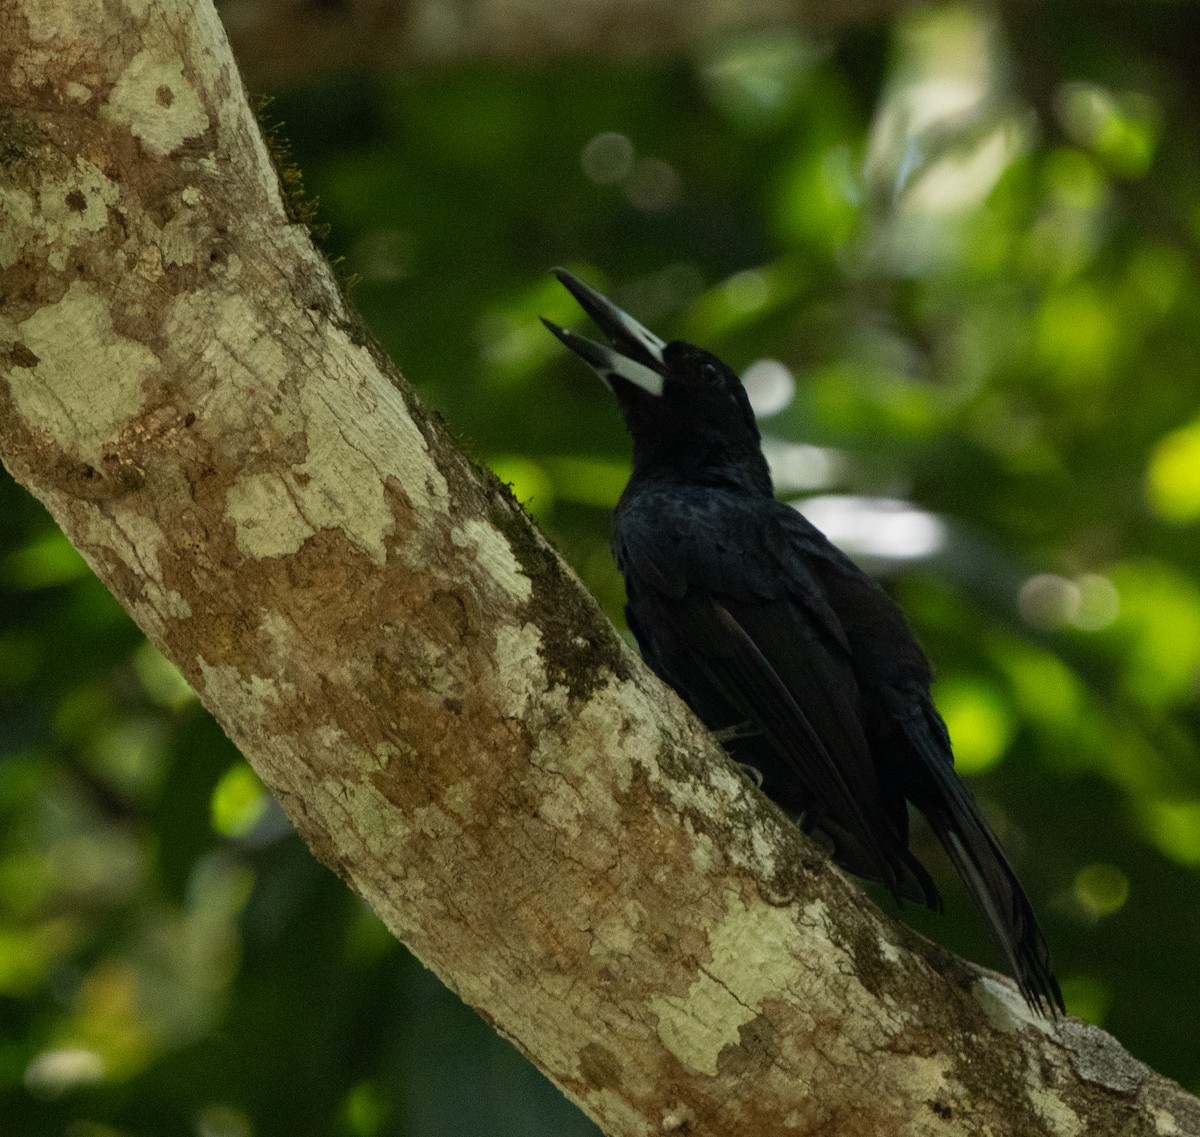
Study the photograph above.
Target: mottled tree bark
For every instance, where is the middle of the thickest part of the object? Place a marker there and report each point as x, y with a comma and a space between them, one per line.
440, 707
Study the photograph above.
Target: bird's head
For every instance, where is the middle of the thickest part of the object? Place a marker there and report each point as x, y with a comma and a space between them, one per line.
687, 411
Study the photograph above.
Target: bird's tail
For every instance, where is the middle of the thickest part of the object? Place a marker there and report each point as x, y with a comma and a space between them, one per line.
982, 864
955, 819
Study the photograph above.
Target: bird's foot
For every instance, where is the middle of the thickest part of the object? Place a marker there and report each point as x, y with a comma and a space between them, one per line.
753, 773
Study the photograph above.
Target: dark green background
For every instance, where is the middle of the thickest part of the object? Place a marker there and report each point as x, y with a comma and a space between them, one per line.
975, 245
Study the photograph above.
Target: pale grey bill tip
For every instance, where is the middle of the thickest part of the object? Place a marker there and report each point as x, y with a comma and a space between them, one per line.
616, 323
608, 363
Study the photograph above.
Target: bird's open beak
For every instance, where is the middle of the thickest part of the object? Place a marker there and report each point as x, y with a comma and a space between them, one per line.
636, 354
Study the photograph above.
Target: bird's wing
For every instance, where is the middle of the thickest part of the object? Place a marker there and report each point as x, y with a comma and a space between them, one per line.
722, 589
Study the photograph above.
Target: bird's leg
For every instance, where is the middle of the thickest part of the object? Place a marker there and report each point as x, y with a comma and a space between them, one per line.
736, 733
739, 732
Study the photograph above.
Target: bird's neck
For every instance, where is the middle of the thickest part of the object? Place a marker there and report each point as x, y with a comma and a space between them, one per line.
704, 462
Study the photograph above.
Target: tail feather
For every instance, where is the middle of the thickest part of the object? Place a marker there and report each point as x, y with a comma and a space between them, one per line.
1000, 896
955, 819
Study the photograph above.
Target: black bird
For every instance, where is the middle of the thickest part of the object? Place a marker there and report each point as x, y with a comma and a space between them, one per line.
799, 662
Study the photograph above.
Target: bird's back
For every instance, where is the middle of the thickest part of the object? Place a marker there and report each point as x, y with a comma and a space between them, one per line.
727, 602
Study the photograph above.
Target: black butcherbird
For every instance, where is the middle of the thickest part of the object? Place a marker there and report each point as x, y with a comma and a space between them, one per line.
801, 664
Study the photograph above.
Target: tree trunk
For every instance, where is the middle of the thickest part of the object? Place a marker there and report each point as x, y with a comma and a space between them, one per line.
440, 707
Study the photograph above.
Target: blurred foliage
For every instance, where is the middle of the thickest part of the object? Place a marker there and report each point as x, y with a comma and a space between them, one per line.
957, 261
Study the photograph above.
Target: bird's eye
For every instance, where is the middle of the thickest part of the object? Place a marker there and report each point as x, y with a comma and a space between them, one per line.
709, 373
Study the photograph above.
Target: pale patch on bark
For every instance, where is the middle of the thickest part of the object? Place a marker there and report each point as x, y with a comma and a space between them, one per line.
356, 441
520, 674
924, 1080
753, 959
564, 807
764, 853
620, 1116
495, 556
135, 539
1164, 1123
888, 950
256, 697
179, 240
62, 35
16, 224
616, 936
580, 768
138, 8
68, 207
266, 516
459, 798
355, 437
1055, 1112
1005, 1008
708, 797
833, 984
62, 221
704, 852
621, 723
158, 106
88, 379
435, 822
212, 332
364, 825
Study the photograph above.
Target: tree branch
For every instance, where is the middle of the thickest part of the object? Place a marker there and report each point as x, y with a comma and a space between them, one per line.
439, 705
285, 41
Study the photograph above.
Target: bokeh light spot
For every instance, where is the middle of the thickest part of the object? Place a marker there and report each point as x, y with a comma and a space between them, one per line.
161, 678
607, 158
1087, 997
753, 79
222, 1120
1101, 889
1048, 601
979, 719
365, 1109
238, 801
530, 483
876, 527
770, 386
1121, 128
53, 1073
1173, 475
654, 185
1175, 828
45, 562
